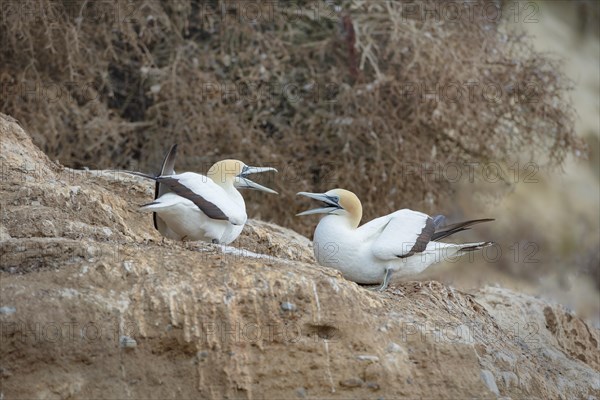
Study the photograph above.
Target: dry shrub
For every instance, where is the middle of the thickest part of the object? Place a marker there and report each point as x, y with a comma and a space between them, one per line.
333, 97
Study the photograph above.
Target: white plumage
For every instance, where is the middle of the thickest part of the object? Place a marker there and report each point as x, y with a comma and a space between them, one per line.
403, 243
191, 206
185, 220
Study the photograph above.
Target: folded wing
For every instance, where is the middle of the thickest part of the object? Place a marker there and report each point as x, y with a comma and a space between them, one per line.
209, 197
401, 234
407, 232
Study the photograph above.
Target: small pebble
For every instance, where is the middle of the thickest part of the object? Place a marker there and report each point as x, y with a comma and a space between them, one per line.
367, 358
128, 265
127, 342
352, 383
7, 310
490, 381
510, 379
286, 306
301, 392
394, 348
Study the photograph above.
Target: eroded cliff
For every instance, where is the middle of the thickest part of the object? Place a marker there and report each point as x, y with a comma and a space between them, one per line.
95, 304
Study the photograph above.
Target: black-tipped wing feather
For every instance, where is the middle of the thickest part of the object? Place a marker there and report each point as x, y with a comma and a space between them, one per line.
405, 233
210, 209
400, 234
189, 185
445, 231
423, 239
168, 168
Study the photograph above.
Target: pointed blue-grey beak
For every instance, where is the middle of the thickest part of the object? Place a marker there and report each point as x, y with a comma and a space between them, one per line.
331, 203
242, 182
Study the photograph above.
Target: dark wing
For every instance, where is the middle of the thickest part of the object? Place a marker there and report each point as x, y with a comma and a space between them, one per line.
210, 209
168, 168
445, 231
423, 239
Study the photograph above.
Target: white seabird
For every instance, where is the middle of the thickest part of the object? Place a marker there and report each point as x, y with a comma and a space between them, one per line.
402, 243
191, 206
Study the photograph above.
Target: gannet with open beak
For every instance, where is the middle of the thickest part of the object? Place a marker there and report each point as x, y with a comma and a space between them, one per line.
191, 206
402, 243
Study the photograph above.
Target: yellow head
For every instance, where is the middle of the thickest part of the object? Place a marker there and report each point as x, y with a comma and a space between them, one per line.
224, 172
338, 202
233, 173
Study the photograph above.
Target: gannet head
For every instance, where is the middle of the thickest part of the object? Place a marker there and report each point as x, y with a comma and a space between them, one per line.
233, 173
338, 202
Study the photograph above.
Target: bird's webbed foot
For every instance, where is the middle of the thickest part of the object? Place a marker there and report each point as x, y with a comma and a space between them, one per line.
386, 280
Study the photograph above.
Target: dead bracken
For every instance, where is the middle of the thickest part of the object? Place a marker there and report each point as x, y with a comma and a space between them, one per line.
345, 92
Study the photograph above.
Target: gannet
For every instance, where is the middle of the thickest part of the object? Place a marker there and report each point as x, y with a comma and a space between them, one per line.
191, 206
402, 243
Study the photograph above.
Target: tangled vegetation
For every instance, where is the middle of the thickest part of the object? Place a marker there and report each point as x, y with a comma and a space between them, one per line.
366, 95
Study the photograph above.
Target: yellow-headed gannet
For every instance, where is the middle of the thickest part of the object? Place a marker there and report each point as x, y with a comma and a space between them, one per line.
190, 206
404, 242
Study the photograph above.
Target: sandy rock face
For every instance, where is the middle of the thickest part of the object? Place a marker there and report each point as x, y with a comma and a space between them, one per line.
95, 304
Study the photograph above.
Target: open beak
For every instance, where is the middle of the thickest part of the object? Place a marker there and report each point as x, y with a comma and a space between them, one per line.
242, 182
331, 204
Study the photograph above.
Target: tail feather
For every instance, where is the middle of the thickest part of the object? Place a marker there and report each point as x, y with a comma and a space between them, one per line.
448, 230
150, 206
163, 203
475, 246
136, 174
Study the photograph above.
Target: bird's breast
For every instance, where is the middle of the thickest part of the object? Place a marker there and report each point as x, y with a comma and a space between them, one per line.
334, 244
337, 245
